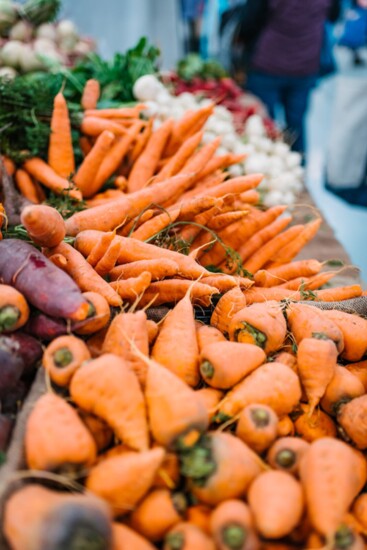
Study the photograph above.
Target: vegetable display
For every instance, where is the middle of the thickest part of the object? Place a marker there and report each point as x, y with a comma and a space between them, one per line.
241, 433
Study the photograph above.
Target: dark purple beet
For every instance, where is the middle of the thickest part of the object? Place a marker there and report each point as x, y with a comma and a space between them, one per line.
44, 327
42, 283
27, 347
6, 426
13, 398
11, 369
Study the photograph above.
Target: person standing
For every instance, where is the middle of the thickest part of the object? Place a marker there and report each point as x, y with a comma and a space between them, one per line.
285, 62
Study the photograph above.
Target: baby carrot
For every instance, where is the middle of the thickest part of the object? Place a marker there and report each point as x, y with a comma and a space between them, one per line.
90, 94
50, 179
189, 124
26, 186
95, 126
60, 150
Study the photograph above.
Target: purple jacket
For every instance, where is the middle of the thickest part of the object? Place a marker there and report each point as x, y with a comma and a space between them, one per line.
290, 43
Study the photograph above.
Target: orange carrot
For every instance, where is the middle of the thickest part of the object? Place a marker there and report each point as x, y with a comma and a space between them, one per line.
211, 398
343, 387
207, 335
123, 480
168, 475
95, 126
220, 163
117, 112
339, 293
223, 220
359, 509
285, 427
107, 217
109, 259
146, 164
260, 324
232, 526
26, 186
85, 145
272, 384
199, 515
177, 161
224, 364
287, 358
91, 94
158, 512
106, 387
329, 489
60, 150
234, 186
187, 536
63, 439
124, 537
36, 517
101, 246
229, 304
102, 434
286, 454
124, 329
256, 294
8, 165
199, 160
354, 329
286, 272
63, 357
177, 414
85, 176
155, 225
131, 289
188, 125
44, 225
313, 426
277, 502
257, 427
14, 310
360, 371
50, 179
84, 275
98, 316
224, 282
291, 250
140, 143
221, 468
351, 417
159, 269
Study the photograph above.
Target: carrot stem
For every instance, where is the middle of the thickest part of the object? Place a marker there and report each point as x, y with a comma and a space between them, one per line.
9, 316
234, 536
63, 357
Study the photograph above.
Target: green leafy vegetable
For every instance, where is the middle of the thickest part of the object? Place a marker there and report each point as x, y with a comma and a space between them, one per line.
194, 66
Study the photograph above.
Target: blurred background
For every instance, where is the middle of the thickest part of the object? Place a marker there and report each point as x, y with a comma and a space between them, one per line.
179, 27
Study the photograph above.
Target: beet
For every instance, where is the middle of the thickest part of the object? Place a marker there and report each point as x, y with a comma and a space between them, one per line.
11, 369
24, 345
45, 327
42, 283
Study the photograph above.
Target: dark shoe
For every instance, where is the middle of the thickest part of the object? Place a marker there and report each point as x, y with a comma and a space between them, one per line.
356, 196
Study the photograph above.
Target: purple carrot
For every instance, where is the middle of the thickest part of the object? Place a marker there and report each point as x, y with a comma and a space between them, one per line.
44, 327
42, 283
11, 369
25, 346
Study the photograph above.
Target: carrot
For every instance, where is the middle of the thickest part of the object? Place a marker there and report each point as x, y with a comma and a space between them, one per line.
260, 324
285, 427
129, 226
223, 220
219, 468
153, 330
60, 150
124, 537
287, 358
286, 272
305, 321
140, 144
159, 269
317, 281
360, 371
168, 475
207, 335
131, 289
133, 250
108, 260
108, 216
178, 160
291, 250
102, 434
316, 359
339, 293
257, 427
359, 509
313, 426
123, 480
124, 329
103, 198
26, 186
36, 517
229, 304
272, 384
106, 387
85, 176
56, 437
234, 186
286, 454
117, 112
158, 512
329, 488
8, 165
44, 224
277, 502
98, 317
63, 357
84, 275
176, 412
174, 290
224, 283
91, 93
187, 536
220, 163
44, 173
176, 346
351, 418
95, 126
100, 247
211, 397
115, 156
354, 330
14, 310
146, 164
155, 225
232, 527
85, 145
343, 387
199, 160
224, 364
199, 515
256, 295
188, 125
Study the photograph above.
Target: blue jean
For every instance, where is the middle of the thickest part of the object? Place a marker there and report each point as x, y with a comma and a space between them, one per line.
290, 92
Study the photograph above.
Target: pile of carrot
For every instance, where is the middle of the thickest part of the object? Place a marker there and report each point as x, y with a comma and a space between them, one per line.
245, 434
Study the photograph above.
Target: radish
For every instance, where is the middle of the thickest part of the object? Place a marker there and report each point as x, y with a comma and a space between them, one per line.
11, 53
21, 31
